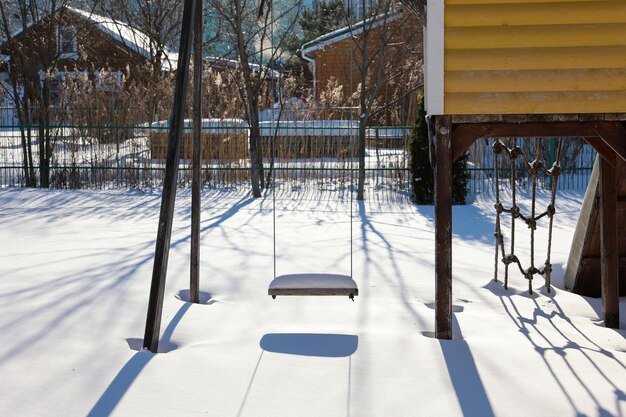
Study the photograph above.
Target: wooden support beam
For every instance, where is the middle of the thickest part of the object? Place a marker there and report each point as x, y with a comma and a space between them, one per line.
443, 228
528, 129
539, 118
613, 134
466, 134
164, 232
609, 261
603, 149
464, 137
194, 279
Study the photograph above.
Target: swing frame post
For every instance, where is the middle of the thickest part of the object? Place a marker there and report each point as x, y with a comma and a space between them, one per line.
164, 232
443, 227
609, 246
196, 179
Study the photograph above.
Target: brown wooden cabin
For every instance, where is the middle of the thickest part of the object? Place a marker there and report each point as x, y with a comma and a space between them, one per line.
336, 56
72, 40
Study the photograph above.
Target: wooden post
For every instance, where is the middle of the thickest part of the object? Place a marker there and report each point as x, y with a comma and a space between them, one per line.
443, 228
164, 232
609, 246
194, 279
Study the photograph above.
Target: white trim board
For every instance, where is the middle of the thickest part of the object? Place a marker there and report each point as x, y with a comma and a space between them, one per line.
433, 58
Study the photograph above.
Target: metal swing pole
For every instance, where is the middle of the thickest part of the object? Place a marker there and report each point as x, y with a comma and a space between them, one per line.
194, 279
164, 233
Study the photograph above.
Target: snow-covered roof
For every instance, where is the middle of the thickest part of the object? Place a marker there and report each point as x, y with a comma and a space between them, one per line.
347, 32
123, 33
310, 128
233, 63
208, 125
387, 132
128, 36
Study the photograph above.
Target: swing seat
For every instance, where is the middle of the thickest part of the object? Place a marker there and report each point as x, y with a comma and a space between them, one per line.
313, 284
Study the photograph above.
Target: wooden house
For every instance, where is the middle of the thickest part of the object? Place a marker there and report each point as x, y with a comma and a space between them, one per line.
71, 40
531, 68
394, 43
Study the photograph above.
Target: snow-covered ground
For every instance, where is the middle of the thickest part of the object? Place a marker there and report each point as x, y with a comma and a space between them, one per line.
75, 272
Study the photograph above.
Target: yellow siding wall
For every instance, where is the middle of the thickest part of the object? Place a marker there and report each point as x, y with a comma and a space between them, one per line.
535, 56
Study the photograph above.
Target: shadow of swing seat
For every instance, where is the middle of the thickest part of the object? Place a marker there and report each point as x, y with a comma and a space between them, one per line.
313, 284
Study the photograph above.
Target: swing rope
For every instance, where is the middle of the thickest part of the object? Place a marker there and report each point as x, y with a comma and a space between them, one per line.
315, 283
274, 204
350, 289
351, 190
535, 167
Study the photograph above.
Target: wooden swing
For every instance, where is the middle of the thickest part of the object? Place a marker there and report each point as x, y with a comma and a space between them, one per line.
311, 284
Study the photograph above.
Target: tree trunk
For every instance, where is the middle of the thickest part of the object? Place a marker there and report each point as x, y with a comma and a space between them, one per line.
256, 160
29, 146
44, 138
44, 178
360, 194
23, 117
20, 119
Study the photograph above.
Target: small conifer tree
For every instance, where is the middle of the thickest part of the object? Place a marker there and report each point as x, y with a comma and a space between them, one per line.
421, 169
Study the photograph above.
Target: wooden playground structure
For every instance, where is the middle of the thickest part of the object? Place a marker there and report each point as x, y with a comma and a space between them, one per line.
527, 68
493, 69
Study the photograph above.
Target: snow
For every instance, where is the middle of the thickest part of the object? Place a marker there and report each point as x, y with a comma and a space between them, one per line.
305, 128
312, 281
128, 36
208, 125
76, 269
387, 132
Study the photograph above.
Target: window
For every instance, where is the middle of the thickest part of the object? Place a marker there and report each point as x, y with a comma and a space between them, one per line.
68, 46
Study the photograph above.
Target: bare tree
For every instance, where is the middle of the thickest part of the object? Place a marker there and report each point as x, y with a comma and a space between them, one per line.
417, 7
33, 65
380, 63
257, 33
9, 13
154, 28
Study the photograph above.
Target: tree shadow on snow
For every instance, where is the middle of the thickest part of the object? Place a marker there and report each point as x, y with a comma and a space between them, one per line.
75, 290
131, 370
534, 330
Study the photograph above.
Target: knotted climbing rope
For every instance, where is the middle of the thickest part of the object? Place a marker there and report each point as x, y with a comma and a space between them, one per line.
518, 159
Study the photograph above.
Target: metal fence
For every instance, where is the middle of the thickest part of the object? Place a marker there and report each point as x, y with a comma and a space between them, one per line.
576, 162
314, 153
319, 153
